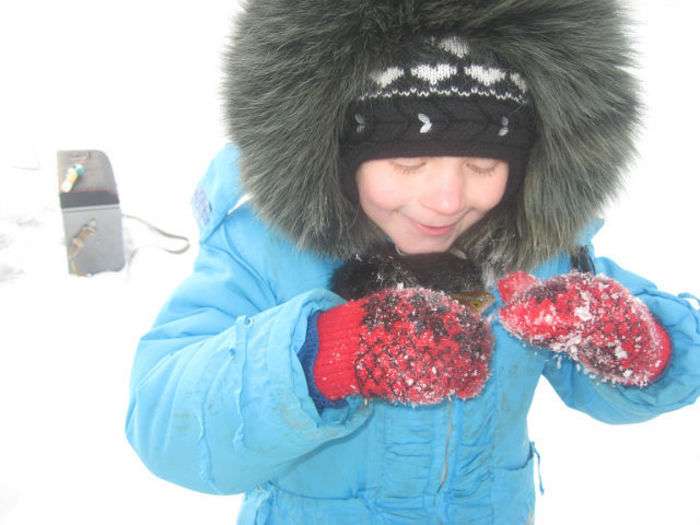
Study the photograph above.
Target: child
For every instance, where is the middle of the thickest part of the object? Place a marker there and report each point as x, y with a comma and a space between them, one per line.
393, 250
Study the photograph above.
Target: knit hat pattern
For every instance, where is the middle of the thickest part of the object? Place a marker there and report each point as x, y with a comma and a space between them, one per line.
456, 73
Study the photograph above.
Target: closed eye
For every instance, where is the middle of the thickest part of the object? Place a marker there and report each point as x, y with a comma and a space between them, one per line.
409, 169
481, 170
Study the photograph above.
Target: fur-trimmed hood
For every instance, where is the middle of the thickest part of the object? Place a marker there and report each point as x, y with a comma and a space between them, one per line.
293, 67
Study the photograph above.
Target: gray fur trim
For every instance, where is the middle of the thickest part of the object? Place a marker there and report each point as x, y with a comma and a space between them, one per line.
293, 67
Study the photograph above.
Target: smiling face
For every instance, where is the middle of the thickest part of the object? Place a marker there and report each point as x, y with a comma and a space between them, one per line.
408, 198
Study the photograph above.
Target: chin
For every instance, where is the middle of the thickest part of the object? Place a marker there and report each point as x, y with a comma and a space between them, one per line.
427, 248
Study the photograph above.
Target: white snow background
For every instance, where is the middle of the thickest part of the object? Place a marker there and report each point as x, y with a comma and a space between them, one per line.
139, 80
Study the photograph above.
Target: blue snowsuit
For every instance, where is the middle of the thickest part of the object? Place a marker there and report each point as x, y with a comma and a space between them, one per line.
219, 402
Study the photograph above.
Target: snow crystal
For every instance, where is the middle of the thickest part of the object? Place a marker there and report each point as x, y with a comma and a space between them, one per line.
620, 353
583, 313
545, 316
570, 344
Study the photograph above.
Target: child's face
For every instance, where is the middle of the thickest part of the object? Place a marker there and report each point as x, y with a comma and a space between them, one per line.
403, 195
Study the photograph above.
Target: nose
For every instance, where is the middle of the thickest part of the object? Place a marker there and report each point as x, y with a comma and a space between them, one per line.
444, 189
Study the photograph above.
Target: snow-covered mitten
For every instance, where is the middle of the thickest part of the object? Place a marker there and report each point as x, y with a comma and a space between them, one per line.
592, 318
410, 345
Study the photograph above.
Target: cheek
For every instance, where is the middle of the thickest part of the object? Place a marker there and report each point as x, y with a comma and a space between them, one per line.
381, 191
490, 192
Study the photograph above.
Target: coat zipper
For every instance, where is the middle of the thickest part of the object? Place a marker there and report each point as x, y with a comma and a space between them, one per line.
443, 476
445, 464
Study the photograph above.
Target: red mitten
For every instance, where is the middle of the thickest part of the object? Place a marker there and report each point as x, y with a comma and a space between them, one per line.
412, 345
592, 318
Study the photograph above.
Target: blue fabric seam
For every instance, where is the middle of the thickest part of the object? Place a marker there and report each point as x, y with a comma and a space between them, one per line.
208, 464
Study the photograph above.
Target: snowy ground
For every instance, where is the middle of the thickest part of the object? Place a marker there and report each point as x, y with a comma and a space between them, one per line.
151, 104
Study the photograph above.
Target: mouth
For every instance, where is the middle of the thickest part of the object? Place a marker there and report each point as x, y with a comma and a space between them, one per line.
434, 230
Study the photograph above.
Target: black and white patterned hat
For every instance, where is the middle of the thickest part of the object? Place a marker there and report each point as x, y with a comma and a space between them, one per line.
442, 100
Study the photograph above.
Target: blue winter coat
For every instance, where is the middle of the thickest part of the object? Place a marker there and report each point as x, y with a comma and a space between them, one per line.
219, 401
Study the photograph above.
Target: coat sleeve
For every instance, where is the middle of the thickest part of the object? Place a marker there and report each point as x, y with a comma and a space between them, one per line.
218, 398
679, 384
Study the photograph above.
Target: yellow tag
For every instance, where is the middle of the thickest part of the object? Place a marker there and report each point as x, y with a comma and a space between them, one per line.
476, 301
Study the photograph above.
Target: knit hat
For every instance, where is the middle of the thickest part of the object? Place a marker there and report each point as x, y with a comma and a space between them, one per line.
443, 100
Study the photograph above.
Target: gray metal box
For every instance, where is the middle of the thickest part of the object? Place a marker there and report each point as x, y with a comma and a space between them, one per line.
92, 218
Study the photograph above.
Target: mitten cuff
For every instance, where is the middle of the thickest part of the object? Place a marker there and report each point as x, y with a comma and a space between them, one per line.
665, 350
307, 357
338, 337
